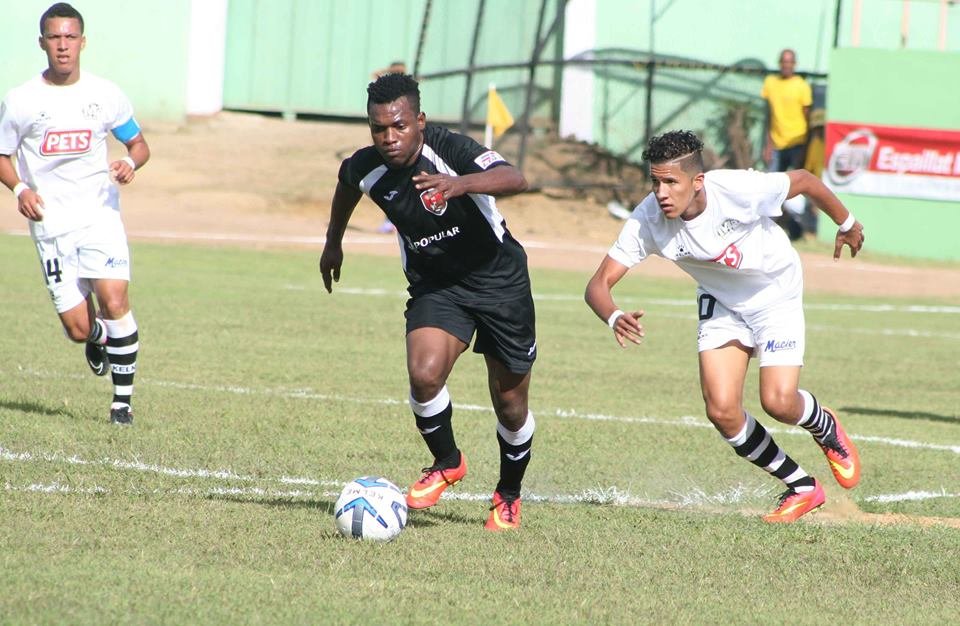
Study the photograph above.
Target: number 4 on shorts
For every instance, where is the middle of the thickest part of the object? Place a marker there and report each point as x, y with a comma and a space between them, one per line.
53, 270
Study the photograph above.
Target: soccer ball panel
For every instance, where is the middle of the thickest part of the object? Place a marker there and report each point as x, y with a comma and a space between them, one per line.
371, 508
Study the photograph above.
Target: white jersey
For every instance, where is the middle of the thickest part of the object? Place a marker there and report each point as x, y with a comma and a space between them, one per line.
733, 249
58, 134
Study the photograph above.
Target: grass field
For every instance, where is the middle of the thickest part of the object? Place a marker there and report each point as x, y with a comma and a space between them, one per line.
258, 395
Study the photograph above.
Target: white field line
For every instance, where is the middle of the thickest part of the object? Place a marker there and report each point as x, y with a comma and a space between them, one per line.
911, 496
685, 303
688, 304
391, 238
696, 497
684, 421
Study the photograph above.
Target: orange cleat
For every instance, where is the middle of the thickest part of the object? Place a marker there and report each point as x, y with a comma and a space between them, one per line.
504, 514
793, 505
841, 455
424, 493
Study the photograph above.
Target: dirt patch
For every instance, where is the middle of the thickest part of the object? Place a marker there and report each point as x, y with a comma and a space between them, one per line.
254, 181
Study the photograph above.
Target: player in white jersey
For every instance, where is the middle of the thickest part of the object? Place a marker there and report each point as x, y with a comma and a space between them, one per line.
717, 227
57, 125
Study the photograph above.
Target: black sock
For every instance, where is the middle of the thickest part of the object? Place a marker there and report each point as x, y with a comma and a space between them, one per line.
514, 457
437, 432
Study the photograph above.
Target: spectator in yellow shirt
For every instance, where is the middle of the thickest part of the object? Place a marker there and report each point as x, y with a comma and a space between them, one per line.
789, 98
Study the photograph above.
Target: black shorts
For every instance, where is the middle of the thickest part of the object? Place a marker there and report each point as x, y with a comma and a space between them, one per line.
505, 330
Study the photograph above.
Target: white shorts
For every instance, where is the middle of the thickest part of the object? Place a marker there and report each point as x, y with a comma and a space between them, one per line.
777, 335
70, 261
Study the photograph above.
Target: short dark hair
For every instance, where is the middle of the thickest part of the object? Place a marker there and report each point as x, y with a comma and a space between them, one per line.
390, 87
61, 9
674, 144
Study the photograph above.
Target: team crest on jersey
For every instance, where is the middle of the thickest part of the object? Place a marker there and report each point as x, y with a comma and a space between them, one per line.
91, 111
726, 227
57, 142
433, 201
488, 158
731, 257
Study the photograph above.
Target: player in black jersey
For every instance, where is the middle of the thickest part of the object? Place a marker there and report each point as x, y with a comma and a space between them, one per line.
466, 275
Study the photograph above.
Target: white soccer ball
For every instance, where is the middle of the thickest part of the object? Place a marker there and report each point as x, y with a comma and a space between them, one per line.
371, 508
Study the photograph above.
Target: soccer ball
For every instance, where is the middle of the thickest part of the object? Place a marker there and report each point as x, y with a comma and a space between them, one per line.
371, 508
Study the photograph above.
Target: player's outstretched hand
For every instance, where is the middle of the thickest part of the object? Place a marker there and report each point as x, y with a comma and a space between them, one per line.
853, 238
330, 262
30, 205
449, 186
628, 328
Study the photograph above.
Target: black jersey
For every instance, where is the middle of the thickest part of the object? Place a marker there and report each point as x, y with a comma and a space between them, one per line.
461, 244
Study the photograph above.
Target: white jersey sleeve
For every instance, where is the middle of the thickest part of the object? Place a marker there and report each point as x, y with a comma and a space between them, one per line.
9, 128
748, 195
636, 242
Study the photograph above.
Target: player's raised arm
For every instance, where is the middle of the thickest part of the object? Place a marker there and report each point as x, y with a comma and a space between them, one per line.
850, 231
625, 326
345, 200
497, 181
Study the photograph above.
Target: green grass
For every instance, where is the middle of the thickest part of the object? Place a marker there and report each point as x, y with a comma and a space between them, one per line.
258, 395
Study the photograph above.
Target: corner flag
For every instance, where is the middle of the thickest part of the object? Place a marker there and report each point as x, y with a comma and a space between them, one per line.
498, 116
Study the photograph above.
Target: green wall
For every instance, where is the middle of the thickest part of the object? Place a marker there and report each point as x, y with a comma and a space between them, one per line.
746, 33
906, 88
141, 45
317, 56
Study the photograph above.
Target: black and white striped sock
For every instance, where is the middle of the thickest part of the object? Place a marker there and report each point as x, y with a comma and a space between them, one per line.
98, 332
815, 420
756, 445
122, 346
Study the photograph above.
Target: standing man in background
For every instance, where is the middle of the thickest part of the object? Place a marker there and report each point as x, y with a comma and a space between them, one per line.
789, 99
57, 124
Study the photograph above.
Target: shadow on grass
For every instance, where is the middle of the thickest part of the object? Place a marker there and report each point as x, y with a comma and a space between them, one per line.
323, 506
37, 408
422, 518
907, 415
432, 517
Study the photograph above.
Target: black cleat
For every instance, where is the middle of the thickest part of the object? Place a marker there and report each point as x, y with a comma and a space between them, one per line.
122, 415
97, 359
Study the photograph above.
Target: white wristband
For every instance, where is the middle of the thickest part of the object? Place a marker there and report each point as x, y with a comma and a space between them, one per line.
129, 162
612, 320
19, 188
848, 223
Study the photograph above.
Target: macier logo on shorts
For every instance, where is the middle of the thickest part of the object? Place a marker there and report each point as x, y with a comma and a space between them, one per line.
433, 201
775, 346
731, 257
115, 262
57, 142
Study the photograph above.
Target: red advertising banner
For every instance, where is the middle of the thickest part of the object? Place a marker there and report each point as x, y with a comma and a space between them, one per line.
893, 161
